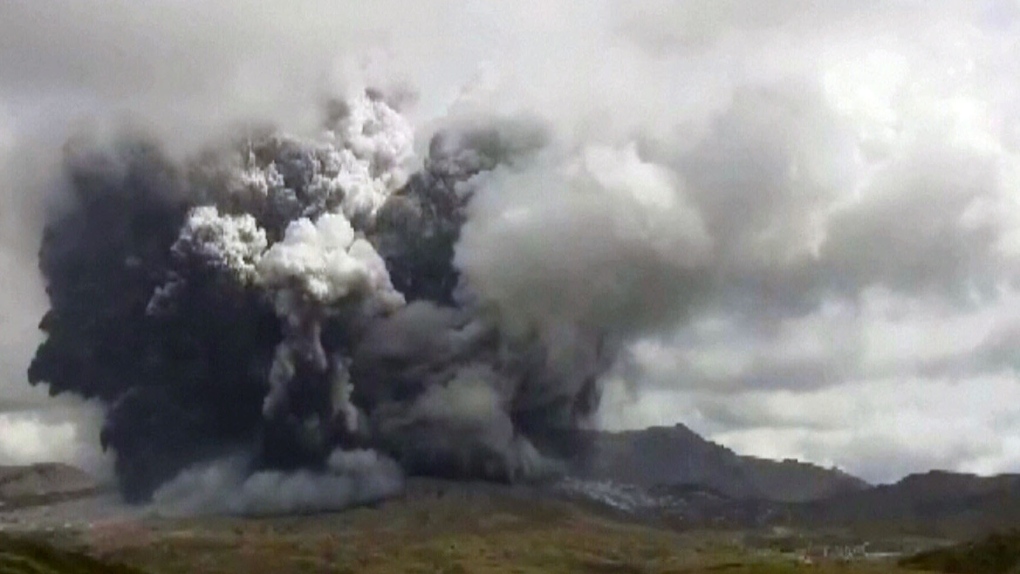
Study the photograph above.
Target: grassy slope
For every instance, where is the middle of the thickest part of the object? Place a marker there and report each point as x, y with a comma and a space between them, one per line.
21, 556
996, 554
480, 534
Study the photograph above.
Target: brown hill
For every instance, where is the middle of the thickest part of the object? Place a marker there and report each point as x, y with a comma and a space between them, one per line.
678, 456
998, 553
38, 483
937, 502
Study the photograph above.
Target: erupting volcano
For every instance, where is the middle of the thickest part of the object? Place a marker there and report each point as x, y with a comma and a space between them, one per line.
315, 315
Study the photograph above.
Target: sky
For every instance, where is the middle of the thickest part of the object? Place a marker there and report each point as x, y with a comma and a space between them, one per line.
842, 180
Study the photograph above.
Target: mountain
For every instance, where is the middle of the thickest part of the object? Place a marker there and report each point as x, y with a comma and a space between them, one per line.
672, 474
41, 483
936, 502
997, 553
677, 456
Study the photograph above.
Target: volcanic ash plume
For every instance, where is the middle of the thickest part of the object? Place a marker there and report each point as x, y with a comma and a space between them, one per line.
287, 324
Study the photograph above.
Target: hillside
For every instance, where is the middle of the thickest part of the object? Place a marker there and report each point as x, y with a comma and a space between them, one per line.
447, 526
24, 556
678, 456
952, 504
40, 483
936, 504
995, 554
674, 474
436, 527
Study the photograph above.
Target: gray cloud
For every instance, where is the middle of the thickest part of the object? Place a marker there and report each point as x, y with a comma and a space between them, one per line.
350, 478
880, 429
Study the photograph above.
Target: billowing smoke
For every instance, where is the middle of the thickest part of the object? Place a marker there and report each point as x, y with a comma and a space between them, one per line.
273, 309
229, 485
740, 196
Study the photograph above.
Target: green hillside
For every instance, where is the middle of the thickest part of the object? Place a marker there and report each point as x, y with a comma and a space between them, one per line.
995, 554
467, 529
24, 556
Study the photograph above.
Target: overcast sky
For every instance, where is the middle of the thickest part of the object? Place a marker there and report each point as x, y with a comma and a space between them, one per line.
851, 170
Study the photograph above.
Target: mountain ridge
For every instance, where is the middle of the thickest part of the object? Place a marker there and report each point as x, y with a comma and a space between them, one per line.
677, 455
41, 483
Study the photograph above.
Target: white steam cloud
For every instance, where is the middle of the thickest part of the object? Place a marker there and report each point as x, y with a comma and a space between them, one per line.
350, 478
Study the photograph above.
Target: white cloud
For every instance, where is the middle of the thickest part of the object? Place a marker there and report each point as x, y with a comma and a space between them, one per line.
893, 385
879, 429
27, 439
883, 429
64, 433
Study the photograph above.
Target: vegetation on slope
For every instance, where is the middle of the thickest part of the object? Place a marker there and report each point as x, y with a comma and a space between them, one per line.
996, 554
24, 556
678, 456
462, 529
